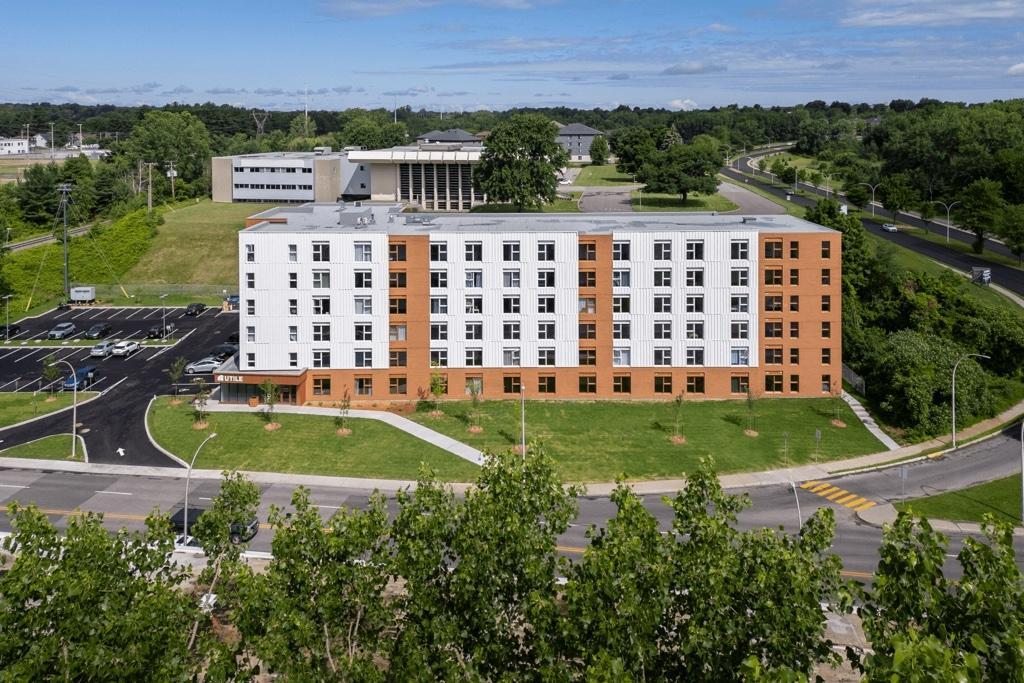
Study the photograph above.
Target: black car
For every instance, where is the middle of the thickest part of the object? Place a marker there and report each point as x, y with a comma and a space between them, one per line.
239, 533
195, 309
8, 331
224, 351
159, 331
98, 331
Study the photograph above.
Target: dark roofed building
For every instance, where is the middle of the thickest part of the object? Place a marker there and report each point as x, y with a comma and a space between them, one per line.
450, 135
577, 138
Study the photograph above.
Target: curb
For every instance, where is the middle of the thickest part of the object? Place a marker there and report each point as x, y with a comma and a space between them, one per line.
55, 412
149, 435
880, 515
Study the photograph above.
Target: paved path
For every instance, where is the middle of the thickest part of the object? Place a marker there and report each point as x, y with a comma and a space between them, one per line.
603, 199
749, 202
865, 417
397, 421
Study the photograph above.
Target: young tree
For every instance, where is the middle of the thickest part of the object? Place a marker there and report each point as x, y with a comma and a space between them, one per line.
438, 385
474, 405
981, 205
302, 126
520, 162
751, 411
51, 372
175, 372
199, 413
678, 401
270, 393
344, 405
599, 151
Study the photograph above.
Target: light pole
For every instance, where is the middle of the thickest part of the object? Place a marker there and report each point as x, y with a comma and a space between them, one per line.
955, 365
828, 185
188, 476
7, 308
799, 517
163, 317
74, 408
1022, 472
948, 207
872, 194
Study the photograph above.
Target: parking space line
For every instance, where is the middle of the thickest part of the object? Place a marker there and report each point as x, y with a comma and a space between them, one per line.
62, 314
98, 313
29, 354
108, 389
134, 312
132, 335
9, 353
153, 312
8, 383
36, 336
84, 311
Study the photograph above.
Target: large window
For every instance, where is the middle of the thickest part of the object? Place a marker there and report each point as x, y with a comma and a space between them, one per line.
739, 277
322, 331
364, 279
695, 250
321, 251
511, 357
587, 357
439, 331
587, 278
620, 304
773, 384
621, 357
546, 385
510, 278
438, 305
321, 358
545, 357
588, 384
739, 329
250, 253
588, 305
321, 279
397, 332
439, 358
622, 384
512, 384
695, 303
695, 330
739, 249
398, 386
695, 356
474, 279
398, 359
620, 251
545, 251
663, 384
474, 305
397, 279
474, 251
620, 278
545, 304
363, 305
773, 276
587, 251
545, 330
620, 330
662, 250
510, 251
510, 304
321, 386
739, 384
588, 331
363, 252
695, 384
663, 303
438, 251
663, 277
663, 329
545, 278
739, 355
322, 304
474, 331
773, 249
510, 330
396, 252
663, 356
364, 358
739, 303
439, 279
474, 358
695, 277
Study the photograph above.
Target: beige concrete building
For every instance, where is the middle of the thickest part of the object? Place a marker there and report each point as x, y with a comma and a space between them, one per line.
431, 176
290, 177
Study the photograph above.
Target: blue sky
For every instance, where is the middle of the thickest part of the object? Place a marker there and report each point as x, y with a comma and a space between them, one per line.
494, 54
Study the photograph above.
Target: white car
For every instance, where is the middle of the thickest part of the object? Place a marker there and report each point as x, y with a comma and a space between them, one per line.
202, 366
125, 348
564, 181
102, 350
889, 227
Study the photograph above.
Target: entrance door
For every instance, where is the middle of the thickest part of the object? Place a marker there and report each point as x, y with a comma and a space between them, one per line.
287, 394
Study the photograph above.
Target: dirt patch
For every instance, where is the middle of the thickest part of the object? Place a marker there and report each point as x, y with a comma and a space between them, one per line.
839, 423
475, 429
49, 399
272, 426
343, 431
174, 402
677, 440
435, 414
199, 426
750, 432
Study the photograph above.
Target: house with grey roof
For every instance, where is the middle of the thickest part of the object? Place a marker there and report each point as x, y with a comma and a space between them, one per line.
576, 138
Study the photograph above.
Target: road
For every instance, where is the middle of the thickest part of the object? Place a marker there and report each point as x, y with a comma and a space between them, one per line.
46, 239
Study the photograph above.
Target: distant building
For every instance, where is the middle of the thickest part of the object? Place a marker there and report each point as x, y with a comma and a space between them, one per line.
320, 176
40, 141
450, 135
576, 138
9, 146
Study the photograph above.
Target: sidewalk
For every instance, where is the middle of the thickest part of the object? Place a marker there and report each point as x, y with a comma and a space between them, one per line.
881, 515
869, 422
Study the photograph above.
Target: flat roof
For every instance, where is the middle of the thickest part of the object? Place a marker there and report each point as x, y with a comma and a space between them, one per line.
387, 217
422, 152
287, 155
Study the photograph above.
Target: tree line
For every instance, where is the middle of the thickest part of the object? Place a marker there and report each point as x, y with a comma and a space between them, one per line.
438, 587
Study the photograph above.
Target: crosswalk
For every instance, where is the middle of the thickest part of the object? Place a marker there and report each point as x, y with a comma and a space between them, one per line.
838, 495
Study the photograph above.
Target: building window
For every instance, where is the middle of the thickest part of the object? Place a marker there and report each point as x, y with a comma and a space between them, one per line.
546, 385
250, 333
510, 278
397, 386
293, 280
321, 386
322, 331
396, 252
794, 302
662, 250
794, 356
474, 358
739, 384
439, 331
293, 253
474, 251
363, 305
773, 302
510, 304
363, 252
322, 305
826, 384
739, 277
663, 356
773, 249
826, 276
364, 358
321, 251
439, 358
364, 386
293, 333
545, 330
474, 384
474, 279
321, 279
794, 276
773, 329
739, 303
293, 359
739, 249
588, 331
695, 356
620, 278
588, 305
695, 330
545, 304
511, 357
695, 384
364, 279
321, 358
438, 251
250, 280
293, 306
545, 356
739, 329
588, 357
663, 384
439, 279
398, 359
826, 302
739, 355
510, 251
663, 277
620, 251
545, 278
773, 356
510, 331
397, 332
773, 276
663, 303
545, 251
794, 249
695, 250
695, 277
695, 303
250, 307
621, 357
588, 278
826, 330
826, 249
512, 384
794, 383
620, 304
622, 384
474, 331
826, 356
663, 329
397, 279
588, 384
587, 251
250, 253
794, 329
773, 384
363, 332
438, 305
620, 330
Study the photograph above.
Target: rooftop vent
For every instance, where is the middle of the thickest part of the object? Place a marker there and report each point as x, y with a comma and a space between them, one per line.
320, 151
747, 219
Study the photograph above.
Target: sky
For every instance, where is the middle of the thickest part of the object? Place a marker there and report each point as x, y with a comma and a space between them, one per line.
458, 55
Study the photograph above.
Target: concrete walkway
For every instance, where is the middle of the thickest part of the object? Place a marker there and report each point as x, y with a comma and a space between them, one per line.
397, 421
865, 418
880, 515
747, 201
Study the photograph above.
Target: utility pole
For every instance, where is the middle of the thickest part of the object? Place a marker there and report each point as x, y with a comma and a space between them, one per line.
81, 139
51, 140
149, 187
305, 113
65, 190
260, 117
172, 174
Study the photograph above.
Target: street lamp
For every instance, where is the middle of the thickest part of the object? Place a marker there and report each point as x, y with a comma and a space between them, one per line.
1022, 471
188, 476
163, 317
74, 408
955, 365
7, 308
872, 194
948, 207
799, 517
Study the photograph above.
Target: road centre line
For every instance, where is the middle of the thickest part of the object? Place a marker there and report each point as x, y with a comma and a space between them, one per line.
117, 493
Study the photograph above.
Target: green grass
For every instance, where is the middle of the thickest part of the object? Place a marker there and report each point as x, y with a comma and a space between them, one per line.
560, 205
937, 235
197, 244
999, 498
650, 201
53, 447
305, 444
19, 406
795, 160
599, 441
601, 176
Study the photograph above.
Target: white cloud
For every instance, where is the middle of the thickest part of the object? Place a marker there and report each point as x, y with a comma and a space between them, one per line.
386, 8
684, 104
1016, 70
691, 68
885, 13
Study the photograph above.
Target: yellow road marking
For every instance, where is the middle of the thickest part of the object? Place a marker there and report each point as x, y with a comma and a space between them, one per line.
830, 489
855, 503
821, 487
809, 484
865, 506
838, 494
846, 499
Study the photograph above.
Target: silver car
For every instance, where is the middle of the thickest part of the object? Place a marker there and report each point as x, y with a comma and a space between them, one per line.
202, 366
61, 331
102, 350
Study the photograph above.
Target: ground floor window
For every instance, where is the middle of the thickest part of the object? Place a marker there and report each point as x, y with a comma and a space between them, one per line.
773, 383
474, 385
739, 384
695, 384
794, 383
622, 384
364, 386
321, 386
512, 384
826, 384
546, 385
663, 384
397, 386
588, 384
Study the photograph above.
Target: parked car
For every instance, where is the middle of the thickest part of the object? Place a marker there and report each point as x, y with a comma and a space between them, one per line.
224, 351
233, 338
8, 331
125, 348
102, 350
82, 379
203, 366
889, 227
61, 331
238, 533
98, 331
195, 309
232, 302
160, 330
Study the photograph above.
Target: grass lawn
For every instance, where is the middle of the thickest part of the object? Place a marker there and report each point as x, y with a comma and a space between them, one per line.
305, 444
600, 176
19, 406
999, 498
650, 201
53, 447
197, 244
598, 441
795, 160
558, 206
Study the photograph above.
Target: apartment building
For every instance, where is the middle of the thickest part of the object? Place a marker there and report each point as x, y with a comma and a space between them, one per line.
369, 301
576, 138
10, 146
289, 177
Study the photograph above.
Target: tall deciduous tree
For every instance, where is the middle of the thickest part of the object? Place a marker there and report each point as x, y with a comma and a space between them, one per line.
898, 194
1011, 229
683, 169
520, 162
981, 206
633, 148
599, 151
165, 136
